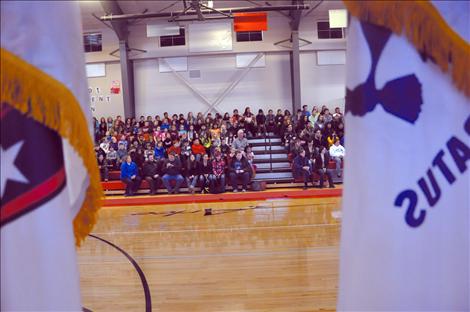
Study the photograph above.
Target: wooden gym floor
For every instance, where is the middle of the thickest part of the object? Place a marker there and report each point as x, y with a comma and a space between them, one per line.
265, 255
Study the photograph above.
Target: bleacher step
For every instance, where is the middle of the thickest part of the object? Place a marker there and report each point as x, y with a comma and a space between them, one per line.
262, 140
273, 175
278, 165
268, 148
271, 156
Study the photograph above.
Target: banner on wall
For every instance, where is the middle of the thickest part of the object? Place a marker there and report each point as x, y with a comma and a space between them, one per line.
250, 21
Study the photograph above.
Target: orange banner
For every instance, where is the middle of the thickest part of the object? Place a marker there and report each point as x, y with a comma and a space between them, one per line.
250, 21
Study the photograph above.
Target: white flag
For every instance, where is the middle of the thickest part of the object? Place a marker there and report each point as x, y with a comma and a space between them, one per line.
405, 234
49, 179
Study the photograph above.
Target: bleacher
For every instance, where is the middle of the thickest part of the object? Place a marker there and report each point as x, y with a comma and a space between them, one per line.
272, 163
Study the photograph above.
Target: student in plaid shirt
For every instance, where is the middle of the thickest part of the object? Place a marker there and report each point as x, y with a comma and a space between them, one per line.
218, 172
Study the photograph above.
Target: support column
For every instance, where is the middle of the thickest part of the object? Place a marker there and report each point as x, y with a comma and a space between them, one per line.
295, 72
127, 77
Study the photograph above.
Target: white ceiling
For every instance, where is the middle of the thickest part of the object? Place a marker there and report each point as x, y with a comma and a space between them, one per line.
94, 7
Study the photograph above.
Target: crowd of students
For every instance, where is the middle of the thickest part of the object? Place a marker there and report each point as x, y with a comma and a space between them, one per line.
204, 150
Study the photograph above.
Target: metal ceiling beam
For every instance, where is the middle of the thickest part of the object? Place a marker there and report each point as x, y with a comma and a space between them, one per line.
295, 72
197, 8
314, 7
120, 27
268, 4
295, 15
121, 17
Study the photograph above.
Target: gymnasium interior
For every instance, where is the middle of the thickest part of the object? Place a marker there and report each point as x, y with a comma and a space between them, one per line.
274, 249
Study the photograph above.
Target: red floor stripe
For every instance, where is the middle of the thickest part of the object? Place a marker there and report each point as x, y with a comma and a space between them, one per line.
207, 198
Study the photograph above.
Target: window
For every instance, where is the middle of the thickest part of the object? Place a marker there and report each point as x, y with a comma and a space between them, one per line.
92, 42
249, 36
174, 40
325, 32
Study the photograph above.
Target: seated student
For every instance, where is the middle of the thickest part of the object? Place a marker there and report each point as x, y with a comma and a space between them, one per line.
121, 154
182, 131
224, 134
261, 122
235, 116
328, 129
206, 141
198, 149
167, 142
172, 172
296, 148
250, 156
103, 166
319, 140
239, 169
337, 154
240, 143
310, 151
218, 173
331, 139
138, 157
165, 124
175, 148
192, 134
305, 111
112, 158
173, 131
225, 148
204, 172
215, 132
185, 151
321, 166
337, 113
159, 151
191, 172
123, 141
249, 121
278, 122
156, 134
114, 143
320, 123
302, 168
233, 130
216, 145
148, 151
129, 175
151, 173
98, 151
289, 137
270, 123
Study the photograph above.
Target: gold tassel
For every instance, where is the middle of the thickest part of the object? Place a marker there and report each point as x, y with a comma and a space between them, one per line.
425, 28
48, 101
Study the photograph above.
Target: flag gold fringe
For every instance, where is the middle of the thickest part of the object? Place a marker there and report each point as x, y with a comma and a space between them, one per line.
48, 101
425, 28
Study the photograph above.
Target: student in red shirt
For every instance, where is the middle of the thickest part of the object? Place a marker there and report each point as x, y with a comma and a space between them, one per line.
175, 148
198, 149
